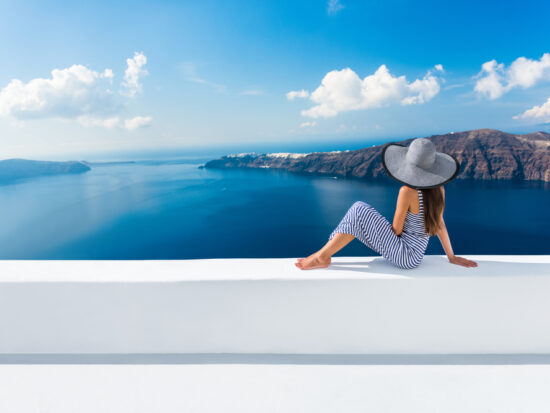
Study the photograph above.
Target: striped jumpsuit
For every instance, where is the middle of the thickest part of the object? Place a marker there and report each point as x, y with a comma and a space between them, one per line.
367, 225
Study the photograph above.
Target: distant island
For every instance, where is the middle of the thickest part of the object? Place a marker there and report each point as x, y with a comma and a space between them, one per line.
486, 154
12, 170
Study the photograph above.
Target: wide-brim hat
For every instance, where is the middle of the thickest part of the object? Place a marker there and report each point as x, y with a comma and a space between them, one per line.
419, 165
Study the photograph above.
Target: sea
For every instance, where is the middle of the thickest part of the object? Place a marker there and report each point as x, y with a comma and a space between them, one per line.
167, 207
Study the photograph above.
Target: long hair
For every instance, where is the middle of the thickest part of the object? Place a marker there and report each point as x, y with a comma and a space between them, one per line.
433, 206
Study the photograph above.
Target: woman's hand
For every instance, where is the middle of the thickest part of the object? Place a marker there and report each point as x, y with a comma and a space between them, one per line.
462, 261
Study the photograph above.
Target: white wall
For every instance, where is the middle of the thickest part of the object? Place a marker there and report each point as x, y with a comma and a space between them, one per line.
359, 305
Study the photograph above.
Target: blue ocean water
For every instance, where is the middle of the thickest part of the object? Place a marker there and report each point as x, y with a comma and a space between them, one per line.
171, 209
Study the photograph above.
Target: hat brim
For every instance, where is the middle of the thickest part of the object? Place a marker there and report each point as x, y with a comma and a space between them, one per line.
444, 169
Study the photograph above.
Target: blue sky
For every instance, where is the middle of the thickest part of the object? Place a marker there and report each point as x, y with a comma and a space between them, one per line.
138, 75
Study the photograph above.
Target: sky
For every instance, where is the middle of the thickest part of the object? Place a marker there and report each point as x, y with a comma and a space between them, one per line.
89, 77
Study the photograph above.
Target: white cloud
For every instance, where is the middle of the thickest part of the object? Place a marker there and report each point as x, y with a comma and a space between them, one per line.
526, 72
495, 79
73, 93
137, 122
439, 67
302, 94
108, 74
343, 90
334, 6
421, 90
491, 85
69, 93
308, 124
133, 73
539, 113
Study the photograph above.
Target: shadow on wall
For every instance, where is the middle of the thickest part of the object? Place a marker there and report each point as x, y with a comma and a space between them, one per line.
279, 359
437, 266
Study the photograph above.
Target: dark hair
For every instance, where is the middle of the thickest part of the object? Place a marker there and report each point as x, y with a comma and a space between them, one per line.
434, 203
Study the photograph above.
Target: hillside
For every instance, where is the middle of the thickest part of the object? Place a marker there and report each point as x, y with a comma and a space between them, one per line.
14, 169
483, 153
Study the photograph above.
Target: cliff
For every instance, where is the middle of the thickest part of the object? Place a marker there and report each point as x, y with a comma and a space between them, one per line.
483, 154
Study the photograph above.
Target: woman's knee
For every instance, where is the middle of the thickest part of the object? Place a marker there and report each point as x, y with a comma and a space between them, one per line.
361, 209
360, 206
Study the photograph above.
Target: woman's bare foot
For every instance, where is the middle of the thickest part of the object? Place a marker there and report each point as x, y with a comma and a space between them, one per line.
313, 261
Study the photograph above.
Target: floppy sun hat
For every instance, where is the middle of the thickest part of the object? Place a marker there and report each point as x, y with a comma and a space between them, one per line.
419, 165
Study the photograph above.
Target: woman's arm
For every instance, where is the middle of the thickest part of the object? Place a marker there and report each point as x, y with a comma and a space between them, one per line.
443, 236
403, 201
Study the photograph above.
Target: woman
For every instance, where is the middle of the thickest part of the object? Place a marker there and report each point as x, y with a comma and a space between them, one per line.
418, 215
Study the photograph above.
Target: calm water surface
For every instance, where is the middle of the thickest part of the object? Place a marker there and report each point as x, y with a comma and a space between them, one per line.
174, 210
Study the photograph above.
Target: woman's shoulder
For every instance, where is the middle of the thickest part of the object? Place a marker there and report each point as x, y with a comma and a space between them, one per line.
407, 190
408, 194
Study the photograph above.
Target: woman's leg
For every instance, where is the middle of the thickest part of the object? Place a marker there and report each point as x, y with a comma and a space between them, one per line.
366, 224
321, 258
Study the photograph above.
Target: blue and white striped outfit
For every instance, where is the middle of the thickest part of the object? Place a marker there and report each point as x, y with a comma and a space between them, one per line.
367, 225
